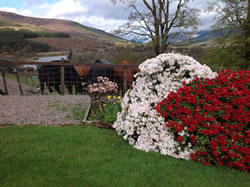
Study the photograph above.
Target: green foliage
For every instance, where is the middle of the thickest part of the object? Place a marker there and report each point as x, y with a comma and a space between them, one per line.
136, 54
88, 156
110, 109
95, 112
226, 54
53, 34
234, 15
105, 110
25, 34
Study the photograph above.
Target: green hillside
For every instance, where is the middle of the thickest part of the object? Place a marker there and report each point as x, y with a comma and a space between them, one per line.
19, 22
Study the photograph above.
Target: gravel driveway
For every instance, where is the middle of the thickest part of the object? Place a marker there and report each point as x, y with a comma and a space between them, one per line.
40, 109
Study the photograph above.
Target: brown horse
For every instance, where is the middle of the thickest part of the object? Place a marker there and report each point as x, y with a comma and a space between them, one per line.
90, 73
83, 71
118, 74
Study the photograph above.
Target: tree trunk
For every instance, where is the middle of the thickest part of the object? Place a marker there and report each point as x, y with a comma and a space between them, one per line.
247, 35
163, 46
156, 45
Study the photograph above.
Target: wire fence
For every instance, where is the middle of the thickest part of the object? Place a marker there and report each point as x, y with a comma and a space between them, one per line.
62, 77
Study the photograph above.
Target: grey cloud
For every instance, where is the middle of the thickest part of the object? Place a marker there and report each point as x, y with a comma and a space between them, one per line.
69, 15
31, 2
109, 13
106, 9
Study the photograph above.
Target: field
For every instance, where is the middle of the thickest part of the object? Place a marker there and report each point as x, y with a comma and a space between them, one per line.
88, 156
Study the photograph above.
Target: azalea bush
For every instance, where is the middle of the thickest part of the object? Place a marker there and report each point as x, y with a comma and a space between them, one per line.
211, 117
138, 122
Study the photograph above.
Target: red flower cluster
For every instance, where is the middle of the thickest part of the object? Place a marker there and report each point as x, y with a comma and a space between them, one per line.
214, 115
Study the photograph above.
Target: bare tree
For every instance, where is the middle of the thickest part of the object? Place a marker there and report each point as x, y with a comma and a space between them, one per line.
158, 20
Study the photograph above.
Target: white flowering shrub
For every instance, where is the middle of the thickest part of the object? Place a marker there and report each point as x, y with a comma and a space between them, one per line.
139, 122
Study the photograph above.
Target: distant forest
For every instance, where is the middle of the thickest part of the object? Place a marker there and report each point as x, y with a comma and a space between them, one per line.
12, 40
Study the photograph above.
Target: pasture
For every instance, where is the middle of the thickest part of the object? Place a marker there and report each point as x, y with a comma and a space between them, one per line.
88, 156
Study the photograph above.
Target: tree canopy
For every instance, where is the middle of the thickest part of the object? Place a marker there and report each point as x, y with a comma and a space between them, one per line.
234, 16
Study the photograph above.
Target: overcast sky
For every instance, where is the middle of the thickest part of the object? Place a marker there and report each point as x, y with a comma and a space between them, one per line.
101, 14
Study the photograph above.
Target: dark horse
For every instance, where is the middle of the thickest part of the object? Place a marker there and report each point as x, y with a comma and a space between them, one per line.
51, 76
96, 71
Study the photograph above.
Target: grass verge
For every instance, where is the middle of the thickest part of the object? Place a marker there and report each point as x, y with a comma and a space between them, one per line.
88, 156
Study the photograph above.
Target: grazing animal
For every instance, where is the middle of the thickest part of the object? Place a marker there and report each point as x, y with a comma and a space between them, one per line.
113, 73
83, 71
118, 74
95, 72
51, 76
71, 78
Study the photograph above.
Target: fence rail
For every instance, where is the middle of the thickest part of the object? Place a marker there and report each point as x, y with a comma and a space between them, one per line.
67, 64
65, 76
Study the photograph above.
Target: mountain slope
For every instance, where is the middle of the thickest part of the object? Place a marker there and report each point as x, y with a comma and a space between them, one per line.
200, 36
197, 37
17, 22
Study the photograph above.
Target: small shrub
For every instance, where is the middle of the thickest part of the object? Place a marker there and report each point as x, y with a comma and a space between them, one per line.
102, 88
212, 118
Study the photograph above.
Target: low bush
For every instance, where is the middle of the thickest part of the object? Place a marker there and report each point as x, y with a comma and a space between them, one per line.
211, 116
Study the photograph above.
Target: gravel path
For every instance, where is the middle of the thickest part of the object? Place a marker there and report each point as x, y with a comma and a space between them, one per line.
39, 109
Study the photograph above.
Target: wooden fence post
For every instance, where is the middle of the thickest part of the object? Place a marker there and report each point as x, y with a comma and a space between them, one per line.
26, 77
62, 80
31, 79
4, 83
19, 83
124, 80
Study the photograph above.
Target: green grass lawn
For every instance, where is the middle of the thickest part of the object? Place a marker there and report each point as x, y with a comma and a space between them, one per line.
88, 156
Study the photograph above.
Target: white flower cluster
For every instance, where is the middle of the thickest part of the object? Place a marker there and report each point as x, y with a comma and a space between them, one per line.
139, 122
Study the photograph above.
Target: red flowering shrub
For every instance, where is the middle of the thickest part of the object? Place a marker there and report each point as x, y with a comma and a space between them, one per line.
213, 117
